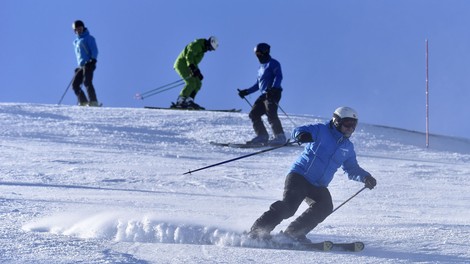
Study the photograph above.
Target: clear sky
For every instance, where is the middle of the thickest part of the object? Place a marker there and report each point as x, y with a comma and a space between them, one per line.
367, 54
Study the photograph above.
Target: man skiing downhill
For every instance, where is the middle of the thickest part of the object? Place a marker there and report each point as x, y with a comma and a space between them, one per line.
186, 65
269, 83
328, 149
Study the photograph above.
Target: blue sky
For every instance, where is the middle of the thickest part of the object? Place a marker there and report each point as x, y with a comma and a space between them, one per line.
367, 54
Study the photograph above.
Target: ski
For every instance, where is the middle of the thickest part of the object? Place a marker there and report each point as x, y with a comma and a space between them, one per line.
314, 246
272, 244
233, 110
280, 241
321, 246
352, 247
87, 105
245, 145
325, 246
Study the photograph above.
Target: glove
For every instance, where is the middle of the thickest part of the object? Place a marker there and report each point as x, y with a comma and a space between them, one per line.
195, 72
304, 137
192, 68
243, 93
370, 182
199, 75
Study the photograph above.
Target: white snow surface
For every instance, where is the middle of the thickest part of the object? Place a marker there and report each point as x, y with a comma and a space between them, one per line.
106, 185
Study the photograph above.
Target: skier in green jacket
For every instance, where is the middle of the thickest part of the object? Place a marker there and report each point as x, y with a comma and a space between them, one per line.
186, 65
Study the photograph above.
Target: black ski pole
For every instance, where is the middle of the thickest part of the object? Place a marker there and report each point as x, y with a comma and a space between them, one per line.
68, 86
241, 157
363, 188
278, 105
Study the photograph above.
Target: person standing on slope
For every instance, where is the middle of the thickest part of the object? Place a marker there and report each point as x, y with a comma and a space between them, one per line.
186, 65
328, 148
269, 83
86, 52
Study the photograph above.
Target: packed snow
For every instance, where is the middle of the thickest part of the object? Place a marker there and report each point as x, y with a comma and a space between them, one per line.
107, 185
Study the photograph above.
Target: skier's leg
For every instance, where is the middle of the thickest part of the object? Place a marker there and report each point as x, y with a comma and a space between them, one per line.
294, 194
257, 111
183, 72
271, 105
320, 207
76, 86
192, 85
88, 82
196, 86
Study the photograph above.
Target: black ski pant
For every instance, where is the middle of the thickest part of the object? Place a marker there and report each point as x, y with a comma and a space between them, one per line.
296, 190
84, 75
267, 104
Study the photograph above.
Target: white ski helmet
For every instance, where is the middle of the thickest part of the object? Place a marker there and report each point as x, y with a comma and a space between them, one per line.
343, 113
214, 42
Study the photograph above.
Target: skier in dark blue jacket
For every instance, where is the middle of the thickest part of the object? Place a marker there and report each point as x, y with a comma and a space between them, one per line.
269, 83
328, 149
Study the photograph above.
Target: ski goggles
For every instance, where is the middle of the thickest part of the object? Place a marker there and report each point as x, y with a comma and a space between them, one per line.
349, 123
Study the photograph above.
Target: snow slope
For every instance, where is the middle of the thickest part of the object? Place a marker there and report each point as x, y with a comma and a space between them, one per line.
106, 185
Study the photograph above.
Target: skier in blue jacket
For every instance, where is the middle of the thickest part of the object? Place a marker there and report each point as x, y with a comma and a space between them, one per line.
269, 84
328, 149
86, 52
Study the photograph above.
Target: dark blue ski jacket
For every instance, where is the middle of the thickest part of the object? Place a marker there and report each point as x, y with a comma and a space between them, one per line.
321, 159
269, 76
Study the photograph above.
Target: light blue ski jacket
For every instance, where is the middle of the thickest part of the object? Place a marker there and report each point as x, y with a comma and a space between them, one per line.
269, 76
85, 48
321, 159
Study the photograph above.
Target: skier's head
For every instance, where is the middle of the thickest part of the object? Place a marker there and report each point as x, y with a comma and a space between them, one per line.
262, 51
78, 26
212, 43
345, 120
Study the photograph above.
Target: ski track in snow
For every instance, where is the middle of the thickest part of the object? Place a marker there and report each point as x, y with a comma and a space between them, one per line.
106, 185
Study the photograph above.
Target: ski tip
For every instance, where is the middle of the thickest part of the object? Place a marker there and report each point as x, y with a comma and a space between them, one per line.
358, 246
327, 245
351, 247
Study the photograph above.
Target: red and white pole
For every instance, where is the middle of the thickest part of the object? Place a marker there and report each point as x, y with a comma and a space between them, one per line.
427, 95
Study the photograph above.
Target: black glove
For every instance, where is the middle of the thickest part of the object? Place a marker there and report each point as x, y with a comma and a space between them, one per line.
195, 72
370, 182
243, 93
199, 75
304, 137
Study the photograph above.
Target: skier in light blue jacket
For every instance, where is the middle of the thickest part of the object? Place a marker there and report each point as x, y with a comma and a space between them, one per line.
328, 149
86, 52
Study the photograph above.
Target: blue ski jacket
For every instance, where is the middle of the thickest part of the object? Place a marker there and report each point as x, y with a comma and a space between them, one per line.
269, 76
321, 158
85, 48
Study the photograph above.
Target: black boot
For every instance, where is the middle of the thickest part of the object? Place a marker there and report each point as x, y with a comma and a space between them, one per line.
82, 100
